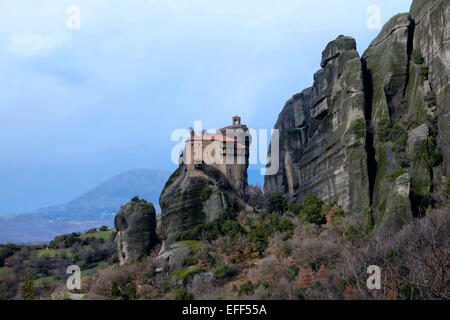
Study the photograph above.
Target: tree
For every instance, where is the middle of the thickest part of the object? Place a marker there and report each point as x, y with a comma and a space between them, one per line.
103, 228
311, 210
6, 251
28, 289
277, 203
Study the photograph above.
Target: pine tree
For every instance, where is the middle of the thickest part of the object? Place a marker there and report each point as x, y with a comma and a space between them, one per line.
27, 289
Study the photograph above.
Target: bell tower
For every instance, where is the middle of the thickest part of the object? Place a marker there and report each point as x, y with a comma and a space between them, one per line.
236, 121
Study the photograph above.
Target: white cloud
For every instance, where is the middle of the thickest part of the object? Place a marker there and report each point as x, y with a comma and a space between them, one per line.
37, 45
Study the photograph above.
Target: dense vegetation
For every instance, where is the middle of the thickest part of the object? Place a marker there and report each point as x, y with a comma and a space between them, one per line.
35, 271
306, 250
309, 250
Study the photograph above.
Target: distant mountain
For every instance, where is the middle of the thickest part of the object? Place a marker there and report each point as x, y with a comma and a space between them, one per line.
92, 209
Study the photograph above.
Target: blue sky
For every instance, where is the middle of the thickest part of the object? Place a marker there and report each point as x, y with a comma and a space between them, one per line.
79, 106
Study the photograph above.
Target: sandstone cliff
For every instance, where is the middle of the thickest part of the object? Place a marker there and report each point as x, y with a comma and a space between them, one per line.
323, 134
372, 133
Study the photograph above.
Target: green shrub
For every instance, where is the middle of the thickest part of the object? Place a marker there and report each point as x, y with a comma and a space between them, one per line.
221, 272
266, 226
358, 128
248, 288
123, 288
285, 225
65, 240
299, 294
103, 228
407, 292
206, 194
146, 206
368, 221
28, 290
182, 274
417, 57
311, 210
276, 203
231, 228
352, 234
399, 137
130, 291
436, 157
383, 129
224, 225
6, 251
182, 294
296, 208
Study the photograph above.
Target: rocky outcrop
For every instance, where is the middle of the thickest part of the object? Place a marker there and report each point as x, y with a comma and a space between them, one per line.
135, 224
374, 127
408, 65
322, 134
387, 62
398, 207
193, 197
174, 255
432, 41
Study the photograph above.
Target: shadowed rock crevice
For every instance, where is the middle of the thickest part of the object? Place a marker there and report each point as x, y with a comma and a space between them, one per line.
370, 148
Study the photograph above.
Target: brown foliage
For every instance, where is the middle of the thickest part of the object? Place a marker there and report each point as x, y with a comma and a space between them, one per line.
306, 277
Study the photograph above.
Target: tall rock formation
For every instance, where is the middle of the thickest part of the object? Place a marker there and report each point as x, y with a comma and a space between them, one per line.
374, 132
408, 68
135, 224
322, 134
192, 197
432, 40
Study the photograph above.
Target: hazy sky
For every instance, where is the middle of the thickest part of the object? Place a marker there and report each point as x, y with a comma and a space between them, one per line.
78, 106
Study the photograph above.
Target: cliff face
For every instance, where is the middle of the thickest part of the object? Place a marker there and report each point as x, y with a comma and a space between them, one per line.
193, 197
322, 134
432, 40
373, 133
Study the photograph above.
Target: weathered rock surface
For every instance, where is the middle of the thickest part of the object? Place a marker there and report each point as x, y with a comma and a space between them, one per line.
408, 66
376, 126
398, 207
174, 255
193, 197
135, 224
322, 134
432, 41
386, 60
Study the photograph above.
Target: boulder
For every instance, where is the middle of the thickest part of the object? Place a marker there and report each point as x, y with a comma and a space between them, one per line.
175, 255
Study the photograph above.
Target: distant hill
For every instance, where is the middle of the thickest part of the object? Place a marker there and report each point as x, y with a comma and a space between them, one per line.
96, 207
